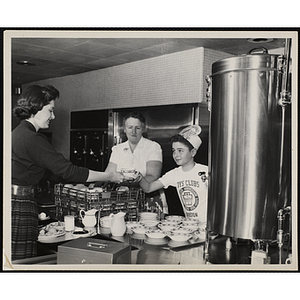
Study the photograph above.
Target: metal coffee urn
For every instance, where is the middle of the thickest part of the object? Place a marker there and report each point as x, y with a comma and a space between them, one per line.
249, 150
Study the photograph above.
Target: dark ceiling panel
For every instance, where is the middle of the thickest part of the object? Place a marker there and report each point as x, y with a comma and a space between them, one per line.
55, 57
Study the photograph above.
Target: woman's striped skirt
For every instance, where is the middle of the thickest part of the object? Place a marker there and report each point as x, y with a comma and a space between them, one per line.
24, 227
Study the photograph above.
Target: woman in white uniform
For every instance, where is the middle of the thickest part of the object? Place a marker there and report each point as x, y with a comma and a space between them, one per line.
138, 152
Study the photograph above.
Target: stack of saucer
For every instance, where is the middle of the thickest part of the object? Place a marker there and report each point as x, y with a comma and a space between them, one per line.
104, 222
149, 219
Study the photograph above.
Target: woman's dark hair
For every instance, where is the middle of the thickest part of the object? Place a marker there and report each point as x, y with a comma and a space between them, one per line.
33, 99
135, 115
181, 139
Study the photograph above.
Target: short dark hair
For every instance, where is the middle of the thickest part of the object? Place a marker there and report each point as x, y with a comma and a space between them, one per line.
33, 99
181, 139
135, 115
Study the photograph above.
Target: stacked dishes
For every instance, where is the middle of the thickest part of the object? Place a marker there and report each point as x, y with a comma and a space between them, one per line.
168, 226
104, 222
140, 229
149, 219
174, 218
130, 224
180, 230
156, 237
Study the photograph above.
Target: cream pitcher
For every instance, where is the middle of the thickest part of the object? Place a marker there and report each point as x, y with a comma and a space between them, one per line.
88, 217
117, 224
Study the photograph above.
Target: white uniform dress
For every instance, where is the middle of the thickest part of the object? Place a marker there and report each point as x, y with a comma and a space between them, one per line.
146, 150
191, 189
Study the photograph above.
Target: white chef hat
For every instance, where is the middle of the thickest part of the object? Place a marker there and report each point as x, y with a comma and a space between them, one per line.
191, 134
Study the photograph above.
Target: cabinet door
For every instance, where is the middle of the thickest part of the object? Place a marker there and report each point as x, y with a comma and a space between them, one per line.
78, 148
96, 146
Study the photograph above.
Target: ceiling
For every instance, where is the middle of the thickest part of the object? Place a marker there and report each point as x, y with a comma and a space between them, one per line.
56, 57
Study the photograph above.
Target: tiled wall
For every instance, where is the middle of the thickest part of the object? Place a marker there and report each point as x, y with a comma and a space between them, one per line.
168, 79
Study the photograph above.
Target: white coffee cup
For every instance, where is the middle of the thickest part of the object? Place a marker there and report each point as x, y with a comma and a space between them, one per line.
128, 173
69, 223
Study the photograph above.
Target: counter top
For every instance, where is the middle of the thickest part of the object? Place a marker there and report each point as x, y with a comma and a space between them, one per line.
161, 251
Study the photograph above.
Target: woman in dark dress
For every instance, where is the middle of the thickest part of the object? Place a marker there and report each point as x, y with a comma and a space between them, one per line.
32, 155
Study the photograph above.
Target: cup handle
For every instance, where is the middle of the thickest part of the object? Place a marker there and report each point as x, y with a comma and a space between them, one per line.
81, 211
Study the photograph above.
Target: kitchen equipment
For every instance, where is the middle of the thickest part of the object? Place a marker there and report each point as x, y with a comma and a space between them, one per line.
88, 217
117, 224
245, 188
93, 251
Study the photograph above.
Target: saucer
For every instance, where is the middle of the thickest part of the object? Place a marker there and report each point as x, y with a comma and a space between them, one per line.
174, 218
180, 237
157, 242
140, 229
177, 244
155, 234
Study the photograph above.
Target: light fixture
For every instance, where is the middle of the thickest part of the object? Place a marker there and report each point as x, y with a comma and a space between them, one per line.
25, 63
259, 40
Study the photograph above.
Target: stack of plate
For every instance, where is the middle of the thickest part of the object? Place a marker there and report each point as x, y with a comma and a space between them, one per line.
149, 219
155, 237
130, 224
180, 236
104, 222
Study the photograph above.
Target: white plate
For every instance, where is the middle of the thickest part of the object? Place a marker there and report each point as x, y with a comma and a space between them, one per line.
157, 242
181, 231
155, 234
174, 218
53, 236
167, 227
130, 224
191, 227
148, 215
139, 229
190, 222
149, 223
176, 244
180, 237
44, 219
82, 233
